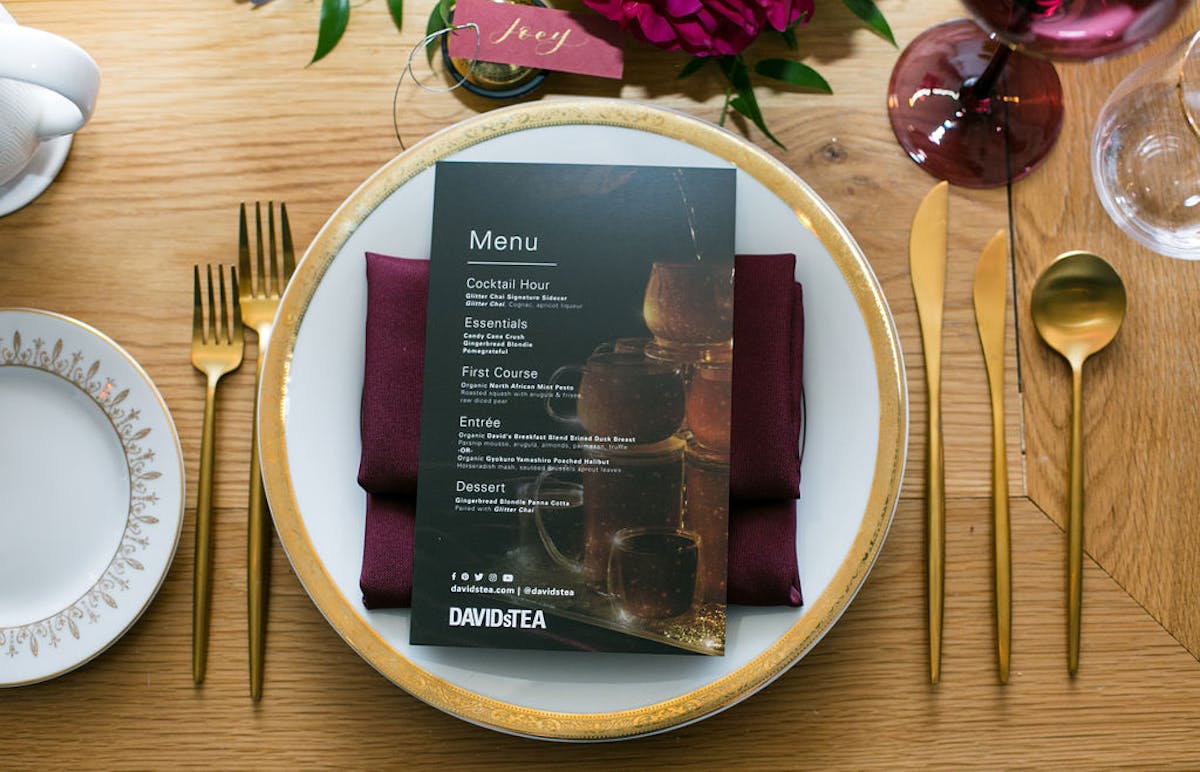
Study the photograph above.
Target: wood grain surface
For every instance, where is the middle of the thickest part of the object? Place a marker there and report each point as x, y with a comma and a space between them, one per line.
205, 104
1142, 458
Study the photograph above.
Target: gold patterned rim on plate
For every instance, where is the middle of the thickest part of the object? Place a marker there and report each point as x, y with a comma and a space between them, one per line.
107, 378
821, 613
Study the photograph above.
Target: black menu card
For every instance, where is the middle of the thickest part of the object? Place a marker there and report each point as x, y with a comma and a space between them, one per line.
573, 482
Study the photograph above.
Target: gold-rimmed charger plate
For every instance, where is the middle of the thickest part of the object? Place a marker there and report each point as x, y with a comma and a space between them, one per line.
856, 431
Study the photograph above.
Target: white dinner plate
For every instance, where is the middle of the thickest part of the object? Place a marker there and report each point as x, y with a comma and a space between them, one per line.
853, 462
91, 493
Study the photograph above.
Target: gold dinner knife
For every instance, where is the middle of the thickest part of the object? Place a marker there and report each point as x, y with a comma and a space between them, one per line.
990, 291
927, 263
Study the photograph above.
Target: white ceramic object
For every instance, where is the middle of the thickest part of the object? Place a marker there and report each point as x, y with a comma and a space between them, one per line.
91, 494
853, 462
48, 89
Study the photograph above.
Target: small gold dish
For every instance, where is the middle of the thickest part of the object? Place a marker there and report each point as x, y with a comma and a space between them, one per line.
493, 79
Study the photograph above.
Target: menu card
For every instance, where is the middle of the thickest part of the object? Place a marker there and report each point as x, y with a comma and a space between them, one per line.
574, 467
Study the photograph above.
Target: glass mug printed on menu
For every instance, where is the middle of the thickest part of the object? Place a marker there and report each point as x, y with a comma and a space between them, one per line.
709, 401
623, 345
1146, 152
652, 572
625, 394
551, 535
634, 489
706, 512
689, 305
48, 89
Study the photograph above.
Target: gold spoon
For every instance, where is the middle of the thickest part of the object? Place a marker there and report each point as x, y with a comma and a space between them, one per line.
1078, 305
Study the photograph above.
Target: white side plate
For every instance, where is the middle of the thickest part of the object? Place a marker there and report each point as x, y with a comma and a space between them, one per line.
91, 493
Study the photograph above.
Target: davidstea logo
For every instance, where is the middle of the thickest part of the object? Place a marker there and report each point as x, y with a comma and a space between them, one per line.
525, 619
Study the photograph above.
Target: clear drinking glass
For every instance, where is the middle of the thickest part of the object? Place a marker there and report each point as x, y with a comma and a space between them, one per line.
1146, 153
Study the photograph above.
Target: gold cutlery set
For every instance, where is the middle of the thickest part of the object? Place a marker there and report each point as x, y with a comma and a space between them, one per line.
255, 289
1078, 304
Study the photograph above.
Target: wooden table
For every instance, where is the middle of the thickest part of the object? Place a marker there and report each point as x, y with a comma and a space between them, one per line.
206, 104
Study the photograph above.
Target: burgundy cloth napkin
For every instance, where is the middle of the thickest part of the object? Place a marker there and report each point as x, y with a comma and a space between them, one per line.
387, 568
768, 362
764, 463
397, 293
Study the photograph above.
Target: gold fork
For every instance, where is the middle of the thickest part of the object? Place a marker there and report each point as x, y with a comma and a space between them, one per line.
260, 300
216, 350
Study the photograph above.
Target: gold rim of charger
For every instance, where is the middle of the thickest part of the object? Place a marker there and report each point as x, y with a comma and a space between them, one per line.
820, 614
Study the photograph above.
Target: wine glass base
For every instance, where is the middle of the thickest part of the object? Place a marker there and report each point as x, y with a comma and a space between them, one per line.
975, 143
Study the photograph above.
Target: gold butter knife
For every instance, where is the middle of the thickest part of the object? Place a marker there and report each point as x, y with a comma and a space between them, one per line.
927, 263
991, 284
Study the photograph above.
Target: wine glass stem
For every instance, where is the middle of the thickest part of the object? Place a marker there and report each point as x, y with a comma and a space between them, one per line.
980, 89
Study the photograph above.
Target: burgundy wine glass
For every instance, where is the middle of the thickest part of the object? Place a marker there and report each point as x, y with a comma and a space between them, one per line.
975, 108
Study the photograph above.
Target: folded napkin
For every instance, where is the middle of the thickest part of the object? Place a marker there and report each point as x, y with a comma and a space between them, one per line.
387, 568
397, 293
764, 463
768, 369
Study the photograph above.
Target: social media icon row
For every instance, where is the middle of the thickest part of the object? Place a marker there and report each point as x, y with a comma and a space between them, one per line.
478, 576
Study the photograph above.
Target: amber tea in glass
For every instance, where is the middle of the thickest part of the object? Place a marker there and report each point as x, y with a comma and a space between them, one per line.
624, 394
635, 489
653, 571
709, 401
689, 304
706, 511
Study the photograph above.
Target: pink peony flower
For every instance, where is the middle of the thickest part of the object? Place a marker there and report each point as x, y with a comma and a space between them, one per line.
702, 27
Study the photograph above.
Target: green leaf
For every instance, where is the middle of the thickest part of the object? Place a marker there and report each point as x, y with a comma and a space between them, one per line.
795, 73
692, 67
869, 13
745, 102
439, 19
436, 24
749, 108
734, 68
789, 34
335, 15
396, 9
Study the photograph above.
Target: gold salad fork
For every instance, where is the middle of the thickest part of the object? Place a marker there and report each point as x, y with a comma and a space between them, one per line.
260, 291
217, 349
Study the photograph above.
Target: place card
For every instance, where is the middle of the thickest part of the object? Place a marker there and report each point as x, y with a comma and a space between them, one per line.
530, 36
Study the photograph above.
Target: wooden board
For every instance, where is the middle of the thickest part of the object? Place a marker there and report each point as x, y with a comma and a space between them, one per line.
1142, 459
